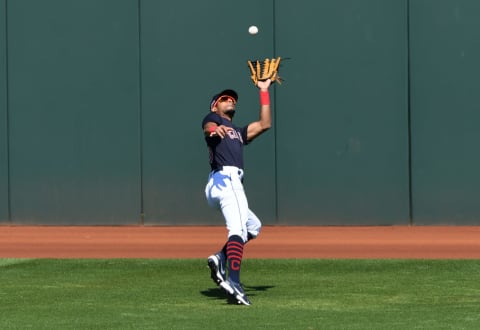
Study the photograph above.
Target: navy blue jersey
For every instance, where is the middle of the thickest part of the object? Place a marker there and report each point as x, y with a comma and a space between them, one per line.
229, 150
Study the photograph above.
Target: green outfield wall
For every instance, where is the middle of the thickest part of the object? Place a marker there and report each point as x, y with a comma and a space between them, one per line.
4, 207
342, 131
74, 117
444, 92
101, 103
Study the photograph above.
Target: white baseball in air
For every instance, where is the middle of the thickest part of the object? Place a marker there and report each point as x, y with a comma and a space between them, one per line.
253, 30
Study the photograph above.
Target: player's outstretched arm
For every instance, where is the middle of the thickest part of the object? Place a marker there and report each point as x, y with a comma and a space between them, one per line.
211, 129
265, 117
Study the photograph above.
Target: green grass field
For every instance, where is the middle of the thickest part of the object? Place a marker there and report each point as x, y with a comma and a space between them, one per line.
286, 294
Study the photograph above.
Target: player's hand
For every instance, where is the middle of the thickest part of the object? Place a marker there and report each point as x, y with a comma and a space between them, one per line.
221, 131
264, 84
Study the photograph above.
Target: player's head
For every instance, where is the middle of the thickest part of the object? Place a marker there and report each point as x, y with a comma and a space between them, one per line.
224, 102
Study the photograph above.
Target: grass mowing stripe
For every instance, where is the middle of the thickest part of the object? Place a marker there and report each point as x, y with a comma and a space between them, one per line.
286, 294
12, 261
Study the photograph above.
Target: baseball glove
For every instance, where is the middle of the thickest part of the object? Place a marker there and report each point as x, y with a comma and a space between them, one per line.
268, 69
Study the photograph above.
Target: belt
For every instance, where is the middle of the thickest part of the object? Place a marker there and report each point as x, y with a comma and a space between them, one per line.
229, 169
226, 168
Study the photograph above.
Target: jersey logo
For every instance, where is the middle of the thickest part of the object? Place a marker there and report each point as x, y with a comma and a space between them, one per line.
233, 134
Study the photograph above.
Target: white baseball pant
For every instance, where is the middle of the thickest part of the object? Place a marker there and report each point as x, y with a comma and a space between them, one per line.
224, 191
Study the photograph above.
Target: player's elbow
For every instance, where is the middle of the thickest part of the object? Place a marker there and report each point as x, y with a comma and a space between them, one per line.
258, 128
266, 123
265, 126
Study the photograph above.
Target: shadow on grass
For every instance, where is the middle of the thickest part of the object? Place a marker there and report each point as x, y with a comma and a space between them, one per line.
216, 293
257, 288
219, 293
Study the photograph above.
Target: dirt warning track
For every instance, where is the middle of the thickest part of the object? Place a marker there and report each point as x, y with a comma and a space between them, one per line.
433, 242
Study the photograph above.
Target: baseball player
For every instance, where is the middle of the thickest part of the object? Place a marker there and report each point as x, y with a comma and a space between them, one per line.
224, 189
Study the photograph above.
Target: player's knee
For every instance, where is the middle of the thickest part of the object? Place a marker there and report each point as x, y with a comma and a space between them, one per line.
253, 234
232, 233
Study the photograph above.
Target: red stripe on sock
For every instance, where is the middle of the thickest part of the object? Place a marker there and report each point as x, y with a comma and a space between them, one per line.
234, 255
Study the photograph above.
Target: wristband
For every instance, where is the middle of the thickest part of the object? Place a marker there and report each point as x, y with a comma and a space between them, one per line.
264, 98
